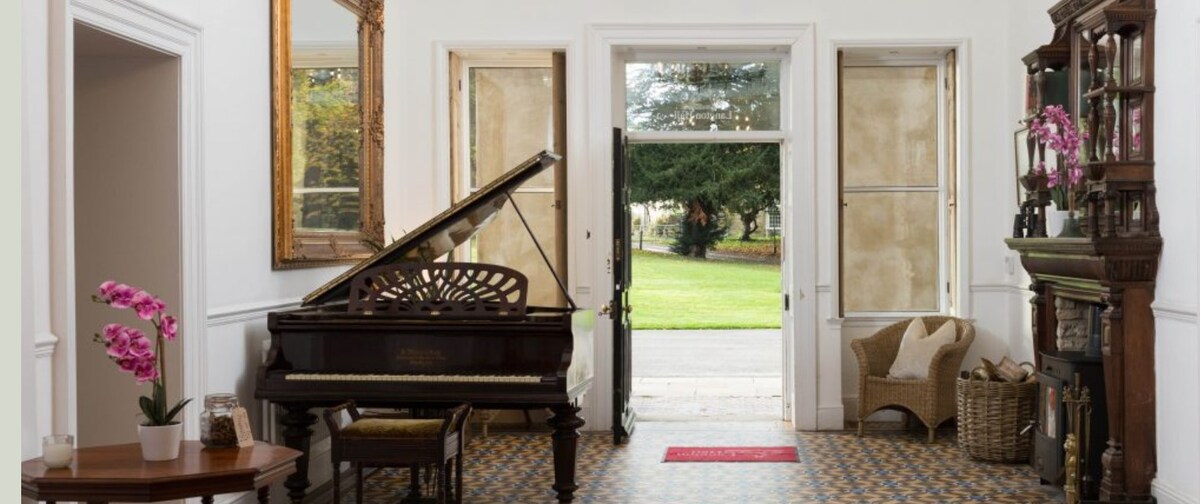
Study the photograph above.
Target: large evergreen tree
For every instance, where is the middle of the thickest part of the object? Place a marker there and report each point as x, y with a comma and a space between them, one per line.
705, 179
687, 175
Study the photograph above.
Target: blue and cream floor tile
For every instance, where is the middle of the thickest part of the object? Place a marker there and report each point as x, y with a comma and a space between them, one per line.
834, 467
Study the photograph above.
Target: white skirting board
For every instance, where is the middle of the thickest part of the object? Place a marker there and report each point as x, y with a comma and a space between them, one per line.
1168, 494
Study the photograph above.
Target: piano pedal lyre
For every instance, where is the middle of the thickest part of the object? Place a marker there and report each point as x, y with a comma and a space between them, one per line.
486, 417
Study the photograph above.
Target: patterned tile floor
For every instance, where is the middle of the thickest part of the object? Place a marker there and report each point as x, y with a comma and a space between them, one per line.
887, 465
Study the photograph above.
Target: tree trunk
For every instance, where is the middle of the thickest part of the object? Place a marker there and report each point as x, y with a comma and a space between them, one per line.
699, 219
749, 225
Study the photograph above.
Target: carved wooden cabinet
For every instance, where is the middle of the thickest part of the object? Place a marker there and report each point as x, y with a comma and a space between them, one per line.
1099, 66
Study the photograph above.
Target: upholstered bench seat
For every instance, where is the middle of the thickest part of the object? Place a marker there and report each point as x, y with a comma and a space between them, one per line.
392, 428
390, 441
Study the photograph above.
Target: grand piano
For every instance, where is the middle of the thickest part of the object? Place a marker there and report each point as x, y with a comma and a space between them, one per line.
404, 329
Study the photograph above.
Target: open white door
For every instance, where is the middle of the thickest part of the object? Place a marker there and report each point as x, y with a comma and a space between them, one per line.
785, 281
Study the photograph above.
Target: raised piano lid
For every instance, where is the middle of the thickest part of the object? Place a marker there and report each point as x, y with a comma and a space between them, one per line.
438, 236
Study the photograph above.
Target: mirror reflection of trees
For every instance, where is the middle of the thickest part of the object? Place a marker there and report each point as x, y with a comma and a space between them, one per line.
326, 147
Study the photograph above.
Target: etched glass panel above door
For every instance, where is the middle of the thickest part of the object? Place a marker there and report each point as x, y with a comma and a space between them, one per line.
702, 96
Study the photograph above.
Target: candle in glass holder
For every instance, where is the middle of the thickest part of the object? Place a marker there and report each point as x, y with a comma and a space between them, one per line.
58, 451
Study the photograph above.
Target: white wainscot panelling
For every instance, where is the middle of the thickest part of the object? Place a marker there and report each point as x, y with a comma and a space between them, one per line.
1177, 378
236, 335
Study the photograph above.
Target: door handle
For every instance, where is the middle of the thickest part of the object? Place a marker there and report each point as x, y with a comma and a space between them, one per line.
606, 309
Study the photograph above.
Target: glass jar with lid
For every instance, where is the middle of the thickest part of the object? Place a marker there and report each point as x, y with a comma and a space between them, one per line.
216, 422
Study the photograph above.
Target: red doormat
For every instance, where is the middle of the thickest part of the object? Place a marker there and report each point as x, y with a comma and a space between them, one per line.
731, 454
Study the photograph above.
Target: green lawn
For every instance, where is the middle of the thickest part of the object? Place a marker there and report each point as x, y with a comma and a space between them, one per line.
674, 292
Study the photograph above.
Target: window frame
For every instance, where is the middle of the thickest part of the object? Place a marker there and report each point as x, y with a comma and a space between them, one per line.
945, 303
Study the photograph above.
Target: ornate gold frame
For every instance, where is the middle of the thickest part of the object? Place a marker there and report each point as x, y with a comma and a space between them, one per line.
305, 250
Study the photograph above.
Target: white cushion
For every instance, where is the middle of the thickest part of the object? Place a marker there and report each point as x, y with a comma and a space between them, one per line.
917, 349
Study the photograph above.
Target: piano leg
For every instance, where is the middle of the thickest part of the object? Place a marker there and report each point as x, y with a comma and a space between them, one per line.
297, 430
566, 424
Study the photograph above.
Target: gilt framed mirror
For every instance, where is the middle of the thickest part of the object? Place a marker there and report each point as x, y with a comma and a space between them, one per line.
327, 131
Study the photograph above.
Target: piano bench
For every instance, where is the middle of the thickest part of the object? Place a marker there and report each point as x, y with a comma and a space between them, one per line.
396, 442
392, 428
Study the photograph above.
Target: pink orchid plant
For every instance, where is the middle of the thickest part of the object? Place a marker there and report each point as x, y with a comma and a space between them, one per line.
133, 352
1055, 129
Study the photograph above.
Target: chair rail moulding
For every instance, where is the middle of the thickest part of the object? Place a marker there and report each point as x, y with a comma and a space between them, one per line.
138, 22
796, 43
246, 312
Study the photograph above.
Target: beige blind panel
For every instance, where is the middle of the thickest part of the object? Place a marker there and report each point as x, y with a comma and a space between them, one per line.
510, 119
890, 252
890, 121
890, 200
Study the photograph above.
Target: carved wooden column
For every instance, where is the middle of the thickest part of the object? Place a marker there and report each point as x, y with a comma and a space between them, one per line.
297, 431
1112, 483
1043, 320
1110, 112
566, 424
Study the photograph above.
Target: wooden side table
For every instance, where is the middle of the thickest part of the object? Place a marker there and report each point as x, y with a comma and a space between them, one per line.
117, 473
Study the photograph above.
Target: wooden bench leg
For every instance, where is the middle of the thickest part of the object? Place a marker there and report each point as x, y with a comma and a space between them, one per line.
441, 483
414, 482
458, 474
337, 482
358, 497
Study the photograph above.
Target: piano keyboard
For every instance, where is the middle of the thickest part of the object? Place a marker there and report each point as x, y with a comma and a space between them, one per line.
412, 378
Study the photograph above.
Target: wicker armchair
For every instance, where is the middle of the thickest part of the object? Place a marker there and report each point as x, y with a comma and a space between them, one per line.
932, 399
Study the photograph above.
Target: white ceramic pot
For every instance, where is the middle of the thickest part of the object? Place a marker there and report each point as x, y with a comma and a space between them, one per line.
1054, 220
160, 442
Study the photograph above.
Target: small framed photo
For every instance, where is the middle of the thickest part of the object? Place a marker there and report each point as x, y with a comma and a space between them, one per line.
1023, 152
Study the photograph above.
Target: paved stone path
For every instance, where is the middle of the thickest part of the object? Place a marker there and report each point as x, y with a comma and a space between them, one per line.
708, 374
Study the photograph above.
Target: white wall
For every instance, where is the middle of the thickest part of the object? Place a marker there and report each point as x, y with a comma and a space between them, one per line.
241, 287
36, 379
126, 217
1177, 157
415, 28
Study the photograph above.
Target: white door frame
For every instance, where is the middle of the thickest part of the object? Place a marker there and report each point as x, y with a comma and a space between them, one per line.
799, 181
146, 26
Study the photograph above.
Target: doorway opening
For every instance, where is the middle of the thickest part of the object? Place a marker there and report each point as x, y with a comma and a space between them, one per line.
707, 332
704, 191
127, 214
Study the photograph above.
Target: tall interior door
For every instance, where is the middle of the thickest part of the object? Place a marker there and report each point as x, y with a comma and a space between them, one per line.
786, 283
623, 415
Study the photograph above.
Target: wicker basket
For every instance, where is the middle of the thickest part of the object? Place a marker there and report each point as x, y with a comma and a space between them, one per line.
991, 416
